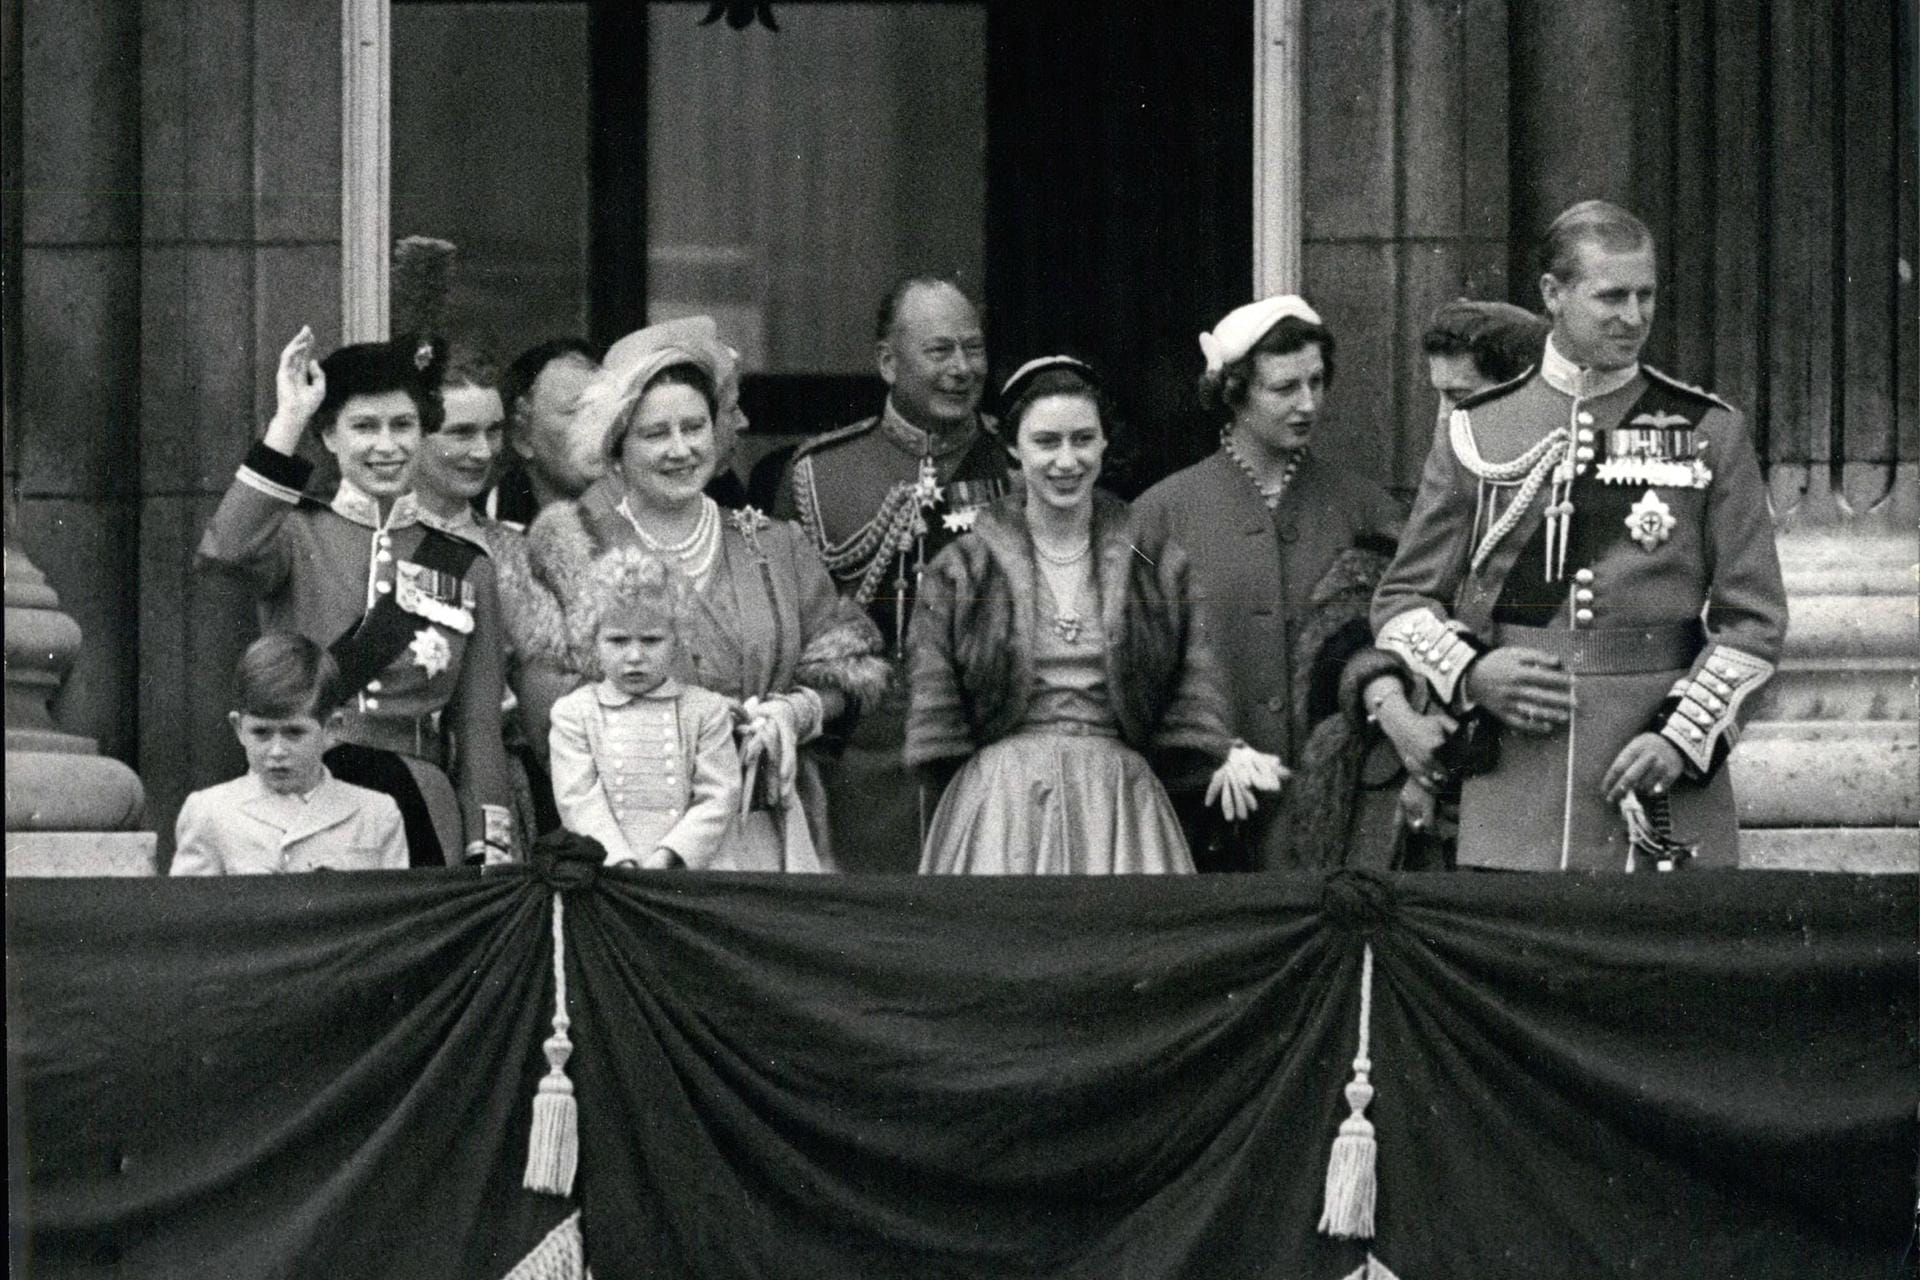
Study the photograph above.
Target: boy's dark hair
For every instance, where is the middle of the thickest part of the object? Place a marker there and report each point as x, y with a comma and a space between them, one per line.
1504, 340
283, 676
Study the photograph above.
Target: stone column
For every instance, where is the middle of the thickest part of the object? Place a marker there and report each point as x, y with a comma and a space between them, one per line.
70, 810
1279, 84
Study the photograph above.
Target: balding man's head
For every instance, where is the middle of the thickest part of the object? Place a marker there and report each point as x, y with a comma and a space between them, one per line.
931, 353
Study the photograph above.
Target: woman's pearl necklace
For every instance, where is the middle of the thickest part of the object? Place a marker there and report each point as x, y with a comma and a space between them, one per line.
1269, 493
1066, 612
696, 551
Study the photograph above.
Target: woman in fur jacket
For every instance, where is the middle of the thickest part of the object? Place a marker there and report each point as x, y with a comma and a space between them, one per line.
1052, 655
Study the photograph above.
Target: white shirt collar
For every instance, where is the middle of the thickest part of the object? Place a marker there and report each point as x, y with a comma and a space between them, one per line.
350, 502
611, 695
1568, 378
262, 792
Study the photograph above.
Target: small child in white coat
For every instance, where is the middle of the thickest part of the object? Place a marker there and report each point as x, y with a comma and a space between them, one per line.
287, 813
641, 762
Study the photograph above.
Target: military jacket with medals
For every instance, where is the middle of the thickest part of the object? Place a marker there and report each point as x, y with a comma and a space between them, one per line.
408, 609
880, 499
1595, 501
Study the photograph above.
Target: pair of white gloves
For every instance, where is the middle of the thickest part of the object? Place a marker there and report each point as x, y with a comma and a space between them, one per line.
1234, 784
771, 730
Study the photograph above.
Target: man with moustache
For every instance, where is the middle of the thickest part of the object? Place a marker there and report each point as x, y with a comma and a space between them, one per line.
1589, 575
880, 499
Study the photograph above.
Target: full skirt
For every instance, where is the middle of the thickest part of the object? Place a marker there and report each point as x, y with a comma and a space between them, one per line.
1055, 804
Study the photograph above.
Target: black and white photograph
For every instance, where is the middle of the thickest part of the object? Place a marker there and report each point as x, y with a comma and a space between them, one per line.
962, 639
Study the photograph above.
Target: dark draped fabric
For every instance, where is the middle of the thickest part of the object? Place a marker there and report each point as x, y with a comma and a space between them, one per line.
1685, 1075
1120, 203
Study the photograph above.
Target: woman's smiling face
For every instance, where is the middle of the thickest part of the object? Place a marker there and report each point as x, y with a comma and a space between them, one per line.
374, 439
457, 461
1059, 446
668, 456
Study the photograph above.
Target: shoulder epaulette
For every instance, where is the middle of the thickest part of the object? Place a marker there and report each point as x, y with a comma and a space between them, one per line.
835, 436
1495, 391
1674, 384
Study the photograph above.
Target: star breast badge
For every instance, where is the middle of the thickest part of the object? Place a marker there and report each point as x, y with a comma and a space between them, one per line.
1650, 521
431, 652
960, 521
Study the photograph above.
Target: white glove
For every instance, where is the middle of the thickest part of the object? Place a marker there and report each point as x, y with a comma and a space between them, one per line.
1245, 772
772, 731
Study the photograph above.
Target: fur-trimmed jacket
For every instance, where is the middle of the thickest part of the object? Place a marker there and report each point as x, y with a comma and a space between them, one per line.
971, 647
769, 619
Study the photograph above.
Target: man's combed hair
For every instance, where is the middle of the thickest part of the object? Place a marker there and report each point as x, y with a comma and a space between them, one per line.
623, 580
888, 312
1503, 340
284, 676
1601, 221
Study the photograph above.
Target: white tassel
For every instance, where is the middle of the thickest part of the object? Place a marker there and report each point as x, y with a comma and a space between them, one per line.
1351, 1181
553, 1146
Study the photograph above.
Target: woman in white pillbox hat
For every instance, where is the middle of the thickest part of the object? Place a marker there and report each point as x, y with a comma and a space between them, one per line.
1287, 536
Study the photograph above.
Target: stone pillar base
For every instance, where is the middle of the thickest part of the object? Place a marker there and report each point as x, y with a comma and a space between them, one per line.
82, 853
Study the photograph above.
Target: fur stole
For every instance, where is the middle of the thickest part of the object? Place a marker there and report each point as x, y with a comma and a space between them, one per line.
1335, 660
972, 650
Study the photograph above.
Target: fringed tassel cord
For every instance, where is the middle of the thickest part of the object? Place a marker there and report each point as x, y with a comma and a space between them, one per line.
553, 1146
1351, 1185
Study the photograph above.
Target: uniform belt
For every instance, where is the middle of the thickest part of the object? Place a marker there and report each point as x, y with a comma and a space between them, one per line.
415, 736
1616, 651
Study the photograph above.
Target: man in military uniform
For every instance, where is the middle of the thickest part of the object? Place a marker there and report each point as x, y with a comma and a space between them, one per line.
880, 499
1589, 576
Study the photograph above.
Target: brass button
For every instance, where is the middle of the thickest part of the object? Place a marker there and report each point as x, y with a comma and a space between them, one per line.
372, 704
1584, 418
1583, 616
1583, 596
373, 686
1583, 576
383, 588
1585, 436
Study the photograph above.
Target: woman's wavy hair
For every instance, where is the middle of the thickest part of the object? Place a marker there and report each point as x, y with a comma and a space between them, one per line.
625, 579
1224, 390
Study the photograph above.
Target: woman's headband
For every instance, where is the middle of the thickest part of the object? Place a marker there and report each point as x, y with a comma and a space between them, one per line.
1032, 369
1241, 329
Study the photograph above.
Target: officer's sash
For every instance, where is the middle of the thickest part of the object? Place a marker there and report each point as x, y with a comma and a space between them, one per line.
371, 644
